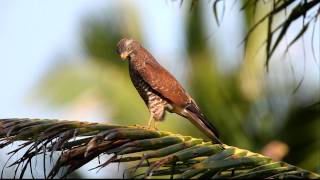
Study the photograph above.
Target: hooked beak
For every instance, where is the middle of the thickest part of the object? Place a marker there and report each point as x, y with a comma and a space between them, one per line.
124, 55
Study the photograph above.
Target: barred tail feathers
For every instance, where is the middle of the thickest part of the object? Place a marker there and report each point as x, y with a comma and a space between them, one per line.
193, 113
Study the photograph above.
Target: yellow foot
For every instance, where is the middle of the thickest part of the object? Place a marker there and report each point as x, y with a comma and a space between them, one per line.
152, 125
153, 128
141, 126
146, 127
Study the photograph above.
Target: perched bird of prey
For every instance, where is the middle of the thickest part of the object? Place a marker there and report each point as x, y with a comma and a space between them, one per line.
160, 91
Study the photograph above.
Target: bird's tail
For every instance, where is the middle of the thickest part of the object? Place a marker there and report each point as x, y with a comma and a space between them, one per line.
198, 119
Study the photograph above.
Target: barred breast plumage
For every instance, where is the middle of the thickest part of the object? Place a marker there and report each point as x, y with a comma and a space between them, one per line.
159, 89
155, 103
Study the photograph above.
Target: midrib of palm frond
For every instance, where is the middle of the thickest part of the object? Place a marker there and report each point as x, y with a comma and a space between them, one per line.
153, 153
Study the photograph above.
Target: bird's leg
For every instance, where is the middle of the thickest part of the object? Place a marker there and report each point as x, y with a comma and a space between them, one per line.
154, 125
150, 122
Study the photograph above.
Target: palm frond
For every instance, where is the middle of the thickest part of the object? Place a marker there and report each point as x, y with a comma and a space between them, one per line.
307, 10
154, 153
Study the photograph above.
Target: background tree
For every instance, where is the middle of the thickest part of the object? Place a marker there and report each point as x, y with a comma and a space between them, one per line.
251, 110
241, 103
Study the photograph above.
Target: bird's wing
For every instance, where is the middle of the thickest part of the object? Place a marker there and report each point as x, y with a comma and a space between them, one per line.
161, 81
195, 110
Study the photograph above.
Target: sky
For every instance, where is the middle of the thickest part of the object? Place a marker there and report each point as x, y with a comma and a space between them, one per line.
34, 33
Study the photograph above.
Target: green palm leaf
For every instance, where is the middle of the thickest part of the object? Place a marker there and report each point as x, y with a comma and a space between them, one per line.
153, 153
294, 10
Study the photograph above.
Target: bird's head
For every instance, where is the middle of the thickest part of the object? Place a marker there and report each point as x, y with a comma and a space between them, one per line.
126, 47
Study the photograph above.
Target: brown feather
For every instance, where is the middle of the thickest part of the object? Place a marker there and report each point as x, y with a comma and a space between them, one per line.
193, 108
159, 78
159, 89
202, 125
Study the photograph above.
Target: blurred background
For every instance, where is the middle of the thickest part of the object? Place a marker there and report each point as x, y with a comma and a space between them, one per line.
58, 61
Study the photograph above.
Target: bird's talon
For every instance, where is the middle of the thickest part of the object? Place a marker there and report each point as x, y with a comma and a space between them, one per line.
156, 86
153, 128
140, 126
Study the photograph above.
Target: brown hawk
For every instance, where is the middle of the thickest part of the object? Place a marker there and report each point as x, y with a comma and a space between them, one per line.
160, 91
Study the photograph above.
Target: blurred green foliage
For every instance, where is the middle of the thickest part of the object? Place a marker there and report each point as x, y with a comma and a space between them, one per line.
235, 103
